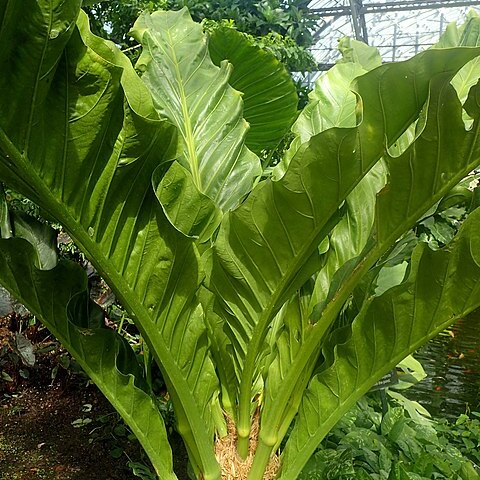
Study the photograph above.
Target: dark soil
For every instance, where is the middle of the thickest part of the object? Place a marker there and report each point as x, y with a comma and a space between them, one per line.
60, 429
38, 440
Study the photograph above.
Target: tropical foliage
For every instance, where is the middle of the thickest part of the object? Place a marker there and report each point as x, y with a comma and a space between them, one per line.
367, 444
283, 28
266, 298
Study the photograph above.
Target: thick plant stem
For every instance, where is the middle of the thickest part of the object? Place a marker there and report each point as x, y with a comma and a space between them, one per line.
244, 419
310, 349
260, 462
307, 355
243, 443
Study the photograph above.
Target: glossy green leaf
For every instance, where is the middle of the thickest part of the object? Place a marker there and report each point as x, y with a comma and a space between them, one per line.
417, 179
334, 104
195, 96
269, 94
354, 51
41, 236
466, 35
189, 210
463, 35
441, 287
331, 104
78, 323
95, 178
267, 248
83, 136
347, 240
428, 169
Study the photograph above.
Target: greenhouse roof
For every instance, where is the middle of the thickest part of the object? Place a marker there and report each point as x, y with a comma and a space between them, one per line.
398, 28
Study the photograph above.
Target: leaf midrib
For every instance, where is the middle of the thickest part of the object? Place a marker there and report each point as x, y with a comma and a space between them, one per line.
189, 137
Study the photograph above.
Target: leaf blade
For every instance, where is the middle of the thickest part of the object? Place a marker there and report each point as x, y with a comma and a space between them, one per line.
194, 94
80, 329
94, 177
252, 276
269, 94
412, 320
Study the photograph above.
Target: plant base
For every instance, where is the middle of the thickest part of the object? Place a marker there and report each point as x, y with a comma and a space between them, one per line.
235, 468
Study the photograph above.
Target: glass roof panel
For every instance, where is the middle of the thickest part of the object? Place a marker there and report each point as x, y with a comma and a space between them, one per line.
398, 28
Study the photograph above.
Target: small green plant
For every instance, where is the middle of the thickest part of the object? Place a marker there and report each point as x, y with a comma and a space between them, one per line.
464, 434
110, 431
367, 444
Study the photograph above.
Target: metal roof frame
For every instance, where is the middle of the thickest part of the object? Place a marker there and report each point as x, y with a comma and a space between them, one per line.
360, 15
359, 8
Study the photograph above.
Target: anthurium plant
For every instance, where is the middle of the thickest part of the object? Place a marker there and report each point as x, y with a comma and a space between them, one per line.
270, 299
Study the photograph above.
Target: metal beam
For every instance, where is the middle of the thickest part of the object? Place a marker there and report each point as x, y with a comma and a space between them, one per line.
398, 6
322, 28
358, 20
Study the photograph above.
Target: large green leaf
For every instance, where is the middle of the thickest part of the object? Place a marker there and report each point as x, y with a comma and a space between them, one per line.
192, 212
268, 247
442, 155
466, 35
349, 236
94, 176
334, 104
79, 324
269, 93
355, 51
347, 240
196, 97
331, 104
438, 159
441, 287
